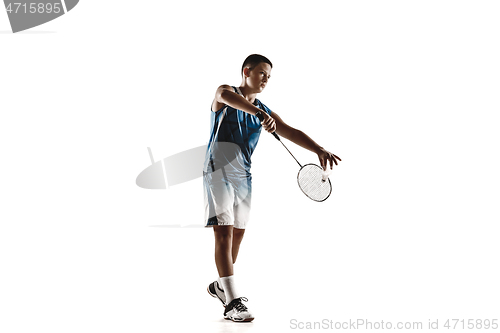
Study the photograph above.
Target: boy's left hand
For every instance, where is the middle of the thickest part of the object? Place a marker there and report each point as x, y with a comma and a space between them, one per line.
324, 156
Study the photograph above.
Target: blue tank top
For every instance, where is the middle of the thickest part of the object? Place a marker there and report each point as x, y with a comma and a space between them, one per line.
233, 138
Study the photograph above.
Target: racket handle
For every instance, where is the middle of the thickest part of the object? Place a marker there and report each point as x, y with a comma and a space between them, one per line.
261, 118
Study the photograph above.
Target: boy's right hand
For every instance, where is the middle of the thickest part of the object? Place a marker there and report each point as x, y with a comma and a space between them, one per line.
268, 122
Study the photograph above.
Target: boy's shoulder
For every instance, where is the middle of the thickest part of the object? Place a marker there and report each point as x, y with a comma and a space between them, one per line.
226, 87
217, 105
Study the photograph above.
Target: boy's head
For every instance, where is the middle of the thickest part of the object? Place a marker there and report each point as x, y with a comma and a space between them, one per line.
256, 70
253, 60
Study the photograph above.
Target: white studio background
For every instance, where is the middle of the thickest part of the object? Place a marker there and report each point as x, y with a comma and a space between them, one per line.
406, 93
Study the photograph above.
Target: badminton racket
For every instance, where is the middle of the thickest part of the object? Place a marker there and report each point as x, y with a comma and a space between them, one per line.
310, 176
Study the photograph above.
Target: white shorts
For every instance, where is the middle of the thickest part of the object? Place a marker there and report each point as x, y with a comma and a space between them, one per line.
227, 200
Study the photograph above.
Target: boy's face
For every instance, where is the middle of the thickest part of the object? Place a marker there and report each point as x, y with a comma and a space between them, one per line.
258, 76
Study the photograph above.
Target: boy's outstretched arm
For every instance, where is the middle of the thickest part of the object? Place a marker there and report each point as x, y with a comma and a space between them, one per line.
300, 138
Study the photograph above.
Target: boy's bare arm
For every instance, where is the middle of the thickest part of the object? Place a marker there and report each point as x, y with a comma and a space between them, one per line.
300, 138
226, 96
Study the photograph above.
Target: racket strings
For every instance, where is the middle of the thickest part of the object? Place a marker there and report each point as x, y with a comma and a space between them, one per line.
311, 183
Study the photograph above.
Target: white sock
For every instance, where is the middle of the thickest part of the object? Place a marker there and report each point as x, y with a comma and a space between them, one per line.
229, 287
220, 283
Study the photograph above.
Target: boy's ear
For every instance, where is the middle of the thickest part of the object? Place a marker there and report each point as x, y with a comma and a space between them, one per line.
245, 71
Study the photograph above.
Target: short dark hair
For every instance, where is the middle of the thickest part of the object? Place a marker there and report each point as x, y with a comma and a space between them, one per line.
253, 60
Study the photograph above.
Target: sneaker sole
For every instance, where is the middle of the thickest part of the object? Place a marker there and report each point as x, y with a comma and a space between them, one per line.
240, 321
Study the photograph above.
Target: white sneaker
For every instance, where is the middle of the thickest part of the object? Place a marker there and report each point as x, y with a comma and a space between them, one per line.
216, 291
237, 311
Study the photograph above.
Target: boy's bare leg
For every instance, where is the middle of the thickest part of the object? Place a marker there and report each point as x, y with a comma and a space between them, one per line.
237, 238
223, 249
227, 244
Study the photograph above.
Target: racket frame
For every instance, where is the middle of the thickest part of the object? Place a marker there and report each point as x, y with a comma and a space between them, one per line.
328, 179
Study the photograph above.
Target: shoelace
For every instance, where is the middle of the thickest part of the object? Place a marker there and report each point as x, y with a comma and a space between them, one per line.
240, 306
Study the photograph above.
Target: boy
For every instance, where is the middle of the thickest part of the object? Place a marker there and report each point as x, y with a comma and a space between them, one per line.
235, 131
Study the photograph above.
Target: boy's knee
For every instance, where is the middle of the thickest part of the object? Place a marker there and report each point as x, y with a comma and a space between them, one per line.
224, 238
223, 235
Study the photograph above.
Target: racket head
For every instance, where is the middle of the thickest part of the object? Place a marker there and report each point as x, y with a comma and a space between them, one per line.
311, 182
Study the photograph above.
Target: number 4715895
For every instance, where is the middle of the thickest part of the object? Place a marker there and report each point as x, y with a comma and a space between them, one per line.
471, 324
34, 7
